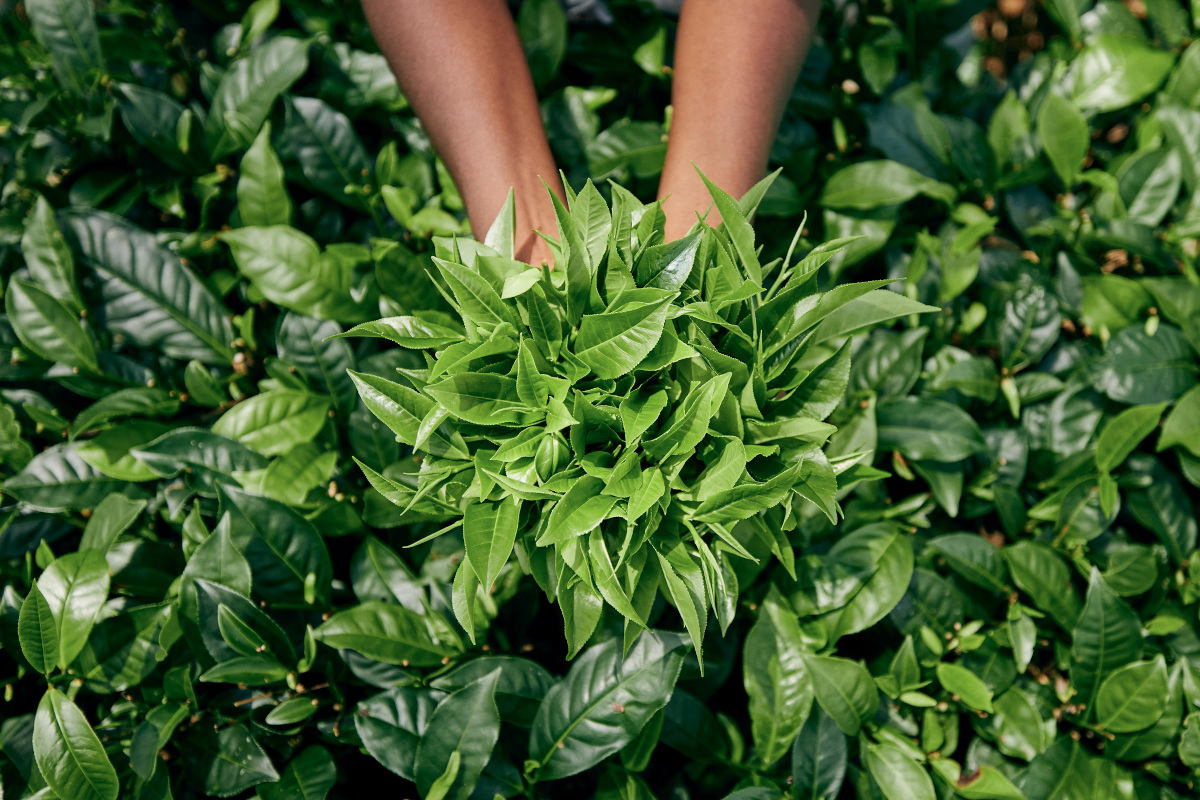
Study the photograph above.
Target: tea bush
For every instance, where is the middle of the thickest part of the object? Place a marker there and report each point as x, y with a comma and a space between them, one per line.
308, 494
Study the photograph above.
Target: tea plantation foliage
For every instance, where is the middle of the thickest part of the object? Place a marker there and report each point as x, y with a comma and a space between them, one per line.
308, 494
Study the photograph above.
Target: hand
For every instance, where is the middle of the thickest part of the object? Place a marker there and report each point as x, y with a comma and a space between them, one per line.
534, 250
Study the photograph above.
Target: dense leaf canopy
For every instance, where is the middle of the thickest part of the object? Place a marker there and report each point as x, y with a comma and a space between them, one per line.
307, 492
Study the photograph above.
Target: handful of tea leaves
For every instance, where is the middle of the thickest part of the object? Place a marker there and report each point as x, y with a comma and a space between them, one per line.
630, 420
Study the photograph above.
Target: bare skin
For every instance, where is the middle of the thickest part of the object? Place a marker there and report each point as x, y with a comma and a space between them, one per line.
462, 67
735, 65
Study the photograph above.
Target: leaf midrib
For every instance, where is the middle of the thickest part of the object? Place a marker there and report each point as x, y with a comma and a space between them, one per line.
79, 344
1129, 700
216, 345
271, 546
930, 432
578, 720
66, 739
341, 166
326, 375
1066, 773
1100, 651
843, 695
73, 32
423, 647
643, 316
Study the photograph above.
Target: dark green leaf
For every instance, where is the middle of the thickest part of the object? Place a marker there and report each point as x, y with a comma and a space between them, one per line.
1182, 426
928, 430
326, 361
261, 193
1165, 509
776, 678
75, 587
38, 631
164, 126
1133, 697
603, 703
871, 184
543, 28
47, 327
274, 422
1113, 72
819, 758
288, 555
519, 691
974, 558
1040, 572
69, 753
135, 401
231, 761
465, 724
845, 691
1064, 134
289, 268
1124, 432
899, 776
884, 553
1107, 636
309, 776
67, 28
149, 296
377, 573
60, 478
248, 90
48, 257
207, 458
391, 634
392, 723
321, 141
1141, 369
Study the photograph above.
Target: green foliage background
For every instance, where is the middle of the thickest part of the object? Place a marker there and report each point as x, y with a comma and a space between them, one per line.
1008, 610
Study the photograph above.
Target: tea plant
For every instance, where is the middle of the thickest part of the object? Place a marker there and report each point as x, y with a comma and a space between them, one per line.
307, 492
682, 399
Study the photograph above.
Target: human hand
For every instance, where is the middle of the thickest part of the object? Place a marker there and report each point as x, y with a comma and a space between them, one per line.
534, 250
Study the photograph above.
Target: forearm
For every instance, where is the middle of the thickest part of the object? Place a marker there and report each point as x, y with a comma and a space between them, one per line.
461, 66
735, 66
